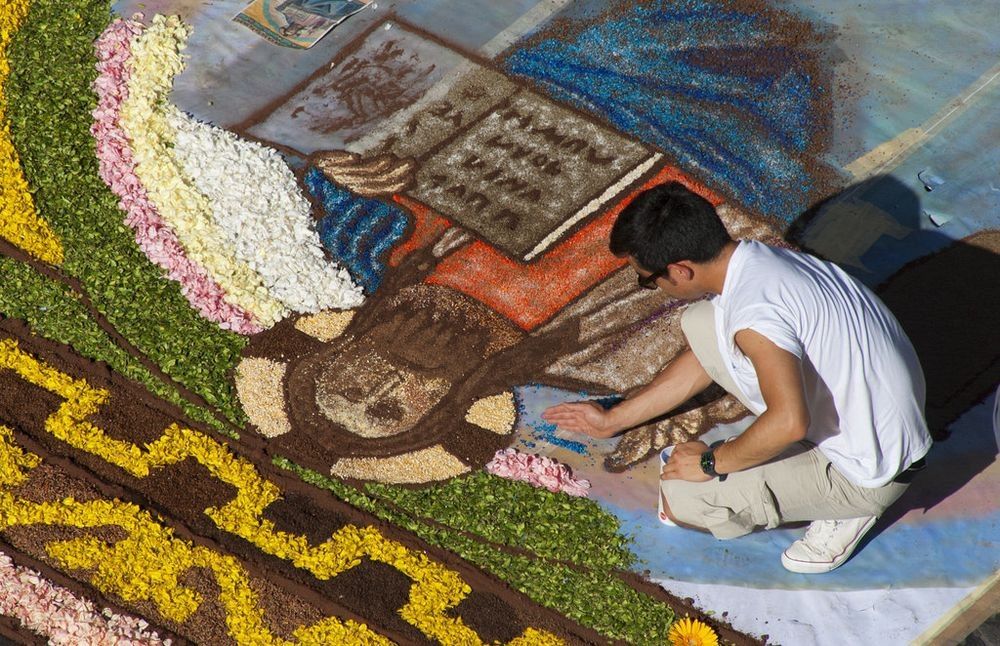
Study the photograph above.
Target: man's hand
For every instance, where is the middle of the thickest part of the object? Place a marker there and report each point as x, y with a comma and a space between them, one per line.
685, 463
580, 417
677, 383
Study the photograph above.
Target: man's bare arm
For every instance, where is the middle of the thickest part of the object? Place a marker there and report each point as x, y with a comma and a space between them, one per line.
785, 421
682, 379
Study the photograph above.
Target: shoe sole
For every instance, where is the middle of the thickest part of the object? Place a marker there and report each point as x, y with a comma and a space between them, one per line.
813, 567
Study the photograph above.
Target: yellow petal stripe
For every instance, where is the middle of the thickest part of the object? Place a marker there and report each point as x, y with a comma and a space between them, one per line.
19, 223
436, 590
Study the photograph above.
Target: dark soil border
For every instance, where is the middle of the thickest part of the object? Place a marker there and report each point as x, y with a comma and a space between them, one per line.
13, 632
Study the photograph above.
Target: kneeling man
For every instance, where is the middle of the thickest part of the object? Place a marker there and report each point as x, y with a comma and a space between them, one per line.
833, 379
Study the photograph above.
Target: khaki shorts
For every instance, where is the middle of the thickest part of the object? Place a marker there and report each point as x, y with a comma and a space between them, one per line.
798, 485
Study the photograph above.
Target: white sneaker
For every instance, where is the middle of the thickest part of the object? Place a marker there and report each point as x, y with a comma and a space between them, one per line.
826, 545
664, 456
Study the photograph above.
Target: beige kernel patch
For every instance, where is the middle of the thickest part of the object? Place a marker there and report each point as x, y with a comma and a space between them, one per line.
259, 385
325, 326
496, 413
416, 467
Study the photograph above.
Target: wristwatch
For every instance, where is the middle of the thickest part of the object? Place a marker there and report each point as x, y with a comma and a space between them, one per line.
708, 465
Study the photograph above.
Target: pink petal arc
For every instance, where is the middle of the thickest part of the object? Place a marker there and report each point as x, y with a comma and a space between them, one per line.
117, 169
55, 612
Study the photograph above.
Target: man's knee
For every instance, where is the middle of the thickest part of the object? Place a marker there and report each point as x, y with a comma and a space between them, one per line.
673, 496
698, 323
666, 513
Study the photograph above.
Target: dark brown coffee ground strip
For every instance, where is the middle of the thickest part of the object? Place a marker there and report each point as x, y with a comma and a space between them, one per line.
40, 534
62, 358
45, 479
83, 590
46, 270
14, 633
208, 622
285, 613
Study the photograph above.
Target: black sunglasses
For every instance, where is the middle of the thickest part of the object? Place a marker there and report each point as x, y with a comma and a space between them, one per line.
649, 282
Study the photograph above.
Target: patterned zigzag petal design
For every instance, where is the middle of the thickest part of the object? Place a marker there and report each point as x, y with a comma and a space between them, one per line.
155, 558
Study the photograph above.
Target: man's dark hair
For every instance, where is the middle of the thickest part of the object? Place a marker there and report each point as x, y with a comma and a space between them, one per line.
666, 224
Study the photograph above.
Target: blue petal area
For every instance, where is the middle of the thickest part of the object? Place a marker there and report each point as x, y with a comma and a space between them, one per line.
715, 89
542, 432
357, 231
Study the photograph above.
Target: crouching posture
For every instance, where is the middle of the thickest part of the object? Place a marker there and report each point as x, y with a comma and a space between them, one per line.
834, 382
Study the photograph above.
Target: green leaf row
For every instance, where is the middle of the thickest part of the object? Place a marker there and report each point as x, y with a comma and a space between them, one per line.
54, 312
517, 514
594, 597
52, 64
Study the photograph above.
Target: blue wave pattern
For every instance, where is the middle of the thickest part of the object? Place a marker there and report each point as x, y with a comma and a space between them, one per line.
711, 86
357, 231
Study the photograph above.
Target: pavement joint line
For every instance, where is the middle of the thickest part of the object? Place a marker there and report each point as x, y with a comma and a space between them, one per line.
909, 141
528, 20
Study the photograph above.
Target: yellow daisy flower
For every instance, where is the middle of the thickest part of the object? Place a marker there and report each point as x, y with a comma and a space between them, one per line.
691, 632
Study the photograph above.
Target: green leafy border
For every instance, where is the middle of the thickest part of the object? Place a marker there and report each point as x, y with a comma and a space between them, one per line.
553, 526
53, 311
52, 64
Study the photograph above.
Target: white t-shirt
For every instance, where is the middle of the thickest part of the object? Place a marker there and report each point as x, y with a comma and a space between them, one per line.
863, 382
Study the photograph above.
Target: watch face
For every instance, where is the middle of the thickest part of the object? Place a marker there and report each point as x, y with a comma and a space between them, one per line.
708, 463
